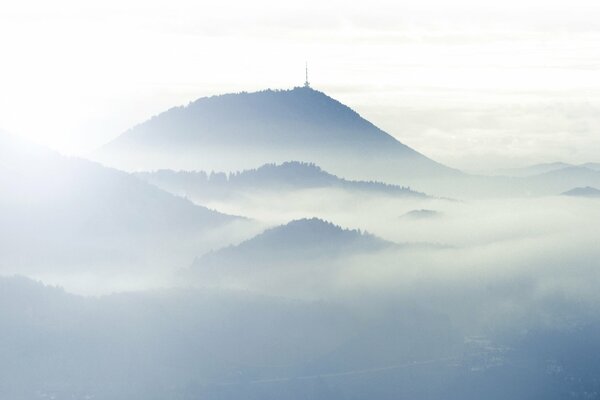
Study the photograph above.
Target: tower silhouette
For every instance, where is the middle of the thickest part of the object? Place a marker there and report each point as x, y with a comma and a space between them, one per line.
306, 83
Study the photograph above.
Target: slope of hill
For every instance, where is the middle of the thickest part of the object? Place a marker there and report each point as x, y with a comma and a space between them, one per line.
59, 211
268, 178
239, 131
227, 345
185, 344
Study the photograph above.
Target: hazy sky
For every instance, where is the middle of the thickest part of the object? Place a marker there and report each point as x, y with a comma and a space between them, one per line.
475, 84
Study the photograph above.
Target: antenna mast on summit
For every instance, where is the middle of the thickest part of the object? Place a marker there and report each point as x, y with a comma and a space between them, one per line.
306, 84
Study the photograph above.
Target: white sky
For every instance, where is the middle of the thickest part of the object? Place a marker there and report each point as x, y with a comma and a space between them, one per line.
474, 84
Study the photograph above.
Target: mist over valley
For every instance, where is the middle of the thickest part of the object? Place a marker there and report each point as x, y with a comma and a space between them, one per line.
277, 245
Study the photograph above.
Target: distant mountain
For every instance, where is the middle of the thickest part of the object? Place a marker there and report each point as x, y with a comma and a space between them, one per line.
58, 211
539, 169
532, 170
544, 184
591, 165
268, 178
583, 192
565, 178
298, 241
240, 131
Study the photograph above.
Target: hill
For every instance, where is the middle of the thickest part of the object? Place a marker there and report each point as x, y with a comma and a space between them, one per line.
299, 241
303, 245
287, 176
240, 131
60, 212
